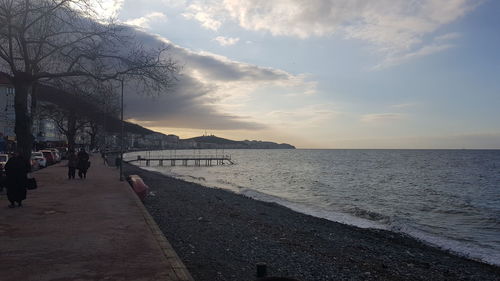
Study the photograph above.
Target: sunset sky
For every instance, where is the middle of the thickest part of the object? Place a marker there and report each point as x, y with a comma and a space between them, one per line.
326, 74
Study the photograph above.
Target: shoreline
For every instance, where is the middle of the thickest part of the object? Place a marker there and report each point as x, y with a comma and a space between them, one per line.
221, 235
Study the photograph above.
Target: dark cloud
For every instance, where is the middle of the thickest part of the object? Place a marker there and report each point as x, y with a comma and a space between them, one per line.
189, 104
212, 66
186, 106
222, 70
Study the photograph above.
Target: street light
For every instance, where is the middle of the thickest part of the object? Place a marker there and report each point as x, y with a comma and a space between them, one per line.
121, 138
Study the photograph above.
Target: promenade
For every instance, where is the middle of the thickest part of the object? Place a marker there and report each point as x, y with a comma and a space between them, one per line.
92, 229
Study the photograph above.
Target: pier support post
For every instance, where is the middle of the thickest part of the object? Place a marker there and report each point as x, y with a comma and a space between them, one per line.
261, 270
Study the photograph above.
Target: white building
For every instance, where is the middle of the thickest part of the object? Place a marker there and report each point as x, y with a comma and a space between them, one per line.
7, 111
43, 130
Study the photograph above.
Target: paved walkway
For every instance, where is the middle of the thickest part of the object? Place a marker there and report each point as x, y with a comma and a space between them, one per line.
92, 229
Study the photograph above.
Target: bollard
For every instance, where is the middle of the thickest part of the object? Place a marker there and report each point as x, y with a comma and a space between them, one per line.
261, 270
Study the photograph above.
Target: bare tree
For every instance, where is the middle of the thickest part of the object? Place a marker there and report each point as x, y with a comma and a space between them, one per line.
105, 100
67, 120
78, 105
49, 39
102, 97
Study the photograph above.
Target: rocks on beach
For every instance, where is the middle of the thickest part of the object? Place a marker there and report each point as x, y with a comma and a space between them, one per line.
220, 235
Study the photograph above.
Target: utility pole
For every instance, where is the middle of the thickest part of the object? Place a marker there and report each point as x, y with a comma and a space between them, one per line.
122, 134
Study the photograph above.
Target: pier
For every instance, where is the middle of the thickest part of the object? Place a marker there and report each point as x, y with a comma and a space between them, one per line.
184, 160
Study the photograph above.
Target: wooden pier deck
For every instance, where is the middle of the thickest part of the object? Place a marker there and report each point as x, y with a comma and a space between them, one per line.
185, 160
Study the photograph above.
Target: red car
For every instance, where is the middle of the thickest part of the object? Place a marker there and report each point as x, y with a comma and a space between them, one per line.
49, 155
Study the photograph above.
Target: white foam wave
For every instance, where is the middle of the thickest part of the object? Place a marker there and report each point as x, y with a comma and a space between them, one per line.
467, 250
313, 210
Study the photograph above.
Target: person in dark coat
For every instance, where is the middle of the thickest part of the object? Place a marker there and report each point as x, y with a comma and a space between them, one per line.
118, 161
16, 171
72, 164
83, 163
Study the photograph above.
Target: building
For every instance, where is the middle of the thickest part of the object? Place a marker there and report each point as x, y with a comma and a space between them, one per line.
44, 130
7, 111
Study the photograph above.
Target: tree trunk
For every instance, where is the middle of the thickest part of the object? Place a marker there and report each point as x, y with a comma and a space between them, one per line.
93, 141
94, 131
71, 132
24, 120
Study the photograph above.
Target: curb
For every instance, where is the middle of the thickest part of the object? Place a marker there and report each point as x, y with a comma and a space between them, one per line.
168, 251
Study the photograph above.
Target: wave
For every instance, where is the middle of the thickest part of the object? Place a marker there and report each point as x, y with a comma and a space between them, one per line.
460, 248
368, 219
369, 215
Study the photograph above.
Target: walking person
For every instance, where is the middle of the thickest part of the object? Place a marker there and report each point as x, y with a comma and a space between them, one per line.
118, 162
72, 164
16, 171
103, 156
83, 163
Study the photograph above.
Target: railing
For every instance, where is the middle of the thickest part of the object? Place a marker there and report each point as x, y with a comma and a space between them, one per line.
185, 159
178, 157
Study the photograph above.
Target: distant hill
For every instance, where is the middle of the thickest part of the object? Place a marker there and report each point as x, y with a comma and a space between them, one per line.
217, 142
213, 139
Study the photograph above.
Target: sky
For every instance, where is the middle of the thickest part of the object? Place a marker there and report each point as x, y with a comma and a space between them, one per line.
325, 74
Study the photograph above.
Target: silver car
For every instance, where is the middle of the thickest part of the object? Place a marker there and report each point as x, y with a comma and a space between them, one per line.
3, 160
38, 156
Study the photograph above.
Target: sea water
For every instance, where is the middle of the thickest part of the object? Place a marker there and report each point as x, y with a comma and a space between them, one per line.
449, 198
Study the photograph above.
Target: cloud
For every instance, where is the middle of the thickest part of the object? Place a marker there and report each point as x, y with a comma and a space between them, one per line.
211, 91
397, 59
305, 117
404, 24
404, 105
448, 36
187, 106
205, 14
395, 28
174, 3
106, 8
144, 22
381, 117
226, 41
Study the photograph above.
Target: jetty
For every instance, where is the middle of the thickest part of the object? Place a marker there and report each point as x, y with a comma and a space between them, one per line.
184, 160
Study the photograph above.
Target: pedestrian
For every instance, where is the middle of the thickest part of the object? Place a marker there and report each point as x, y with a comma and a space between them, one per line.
118, 161
103, 155
2, 179
16, 171
72, 164
83, 163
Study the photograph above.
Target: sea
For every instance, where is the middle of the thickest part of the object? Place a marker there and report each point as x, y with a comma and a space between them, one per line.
447, 198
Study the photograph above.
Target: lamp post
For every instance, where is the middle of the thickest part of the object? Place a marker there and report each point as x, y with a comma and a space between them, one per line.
121, 134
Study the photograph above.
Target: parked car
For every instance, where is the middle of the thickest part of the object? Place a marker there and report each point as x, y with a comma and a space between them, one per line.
38, 156
3, 160
49, 155
63, 151
34, 164
57, 154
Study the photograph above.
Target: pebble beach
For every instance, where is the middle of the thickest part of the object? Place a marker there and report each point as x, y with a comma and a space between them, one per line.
220, 235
